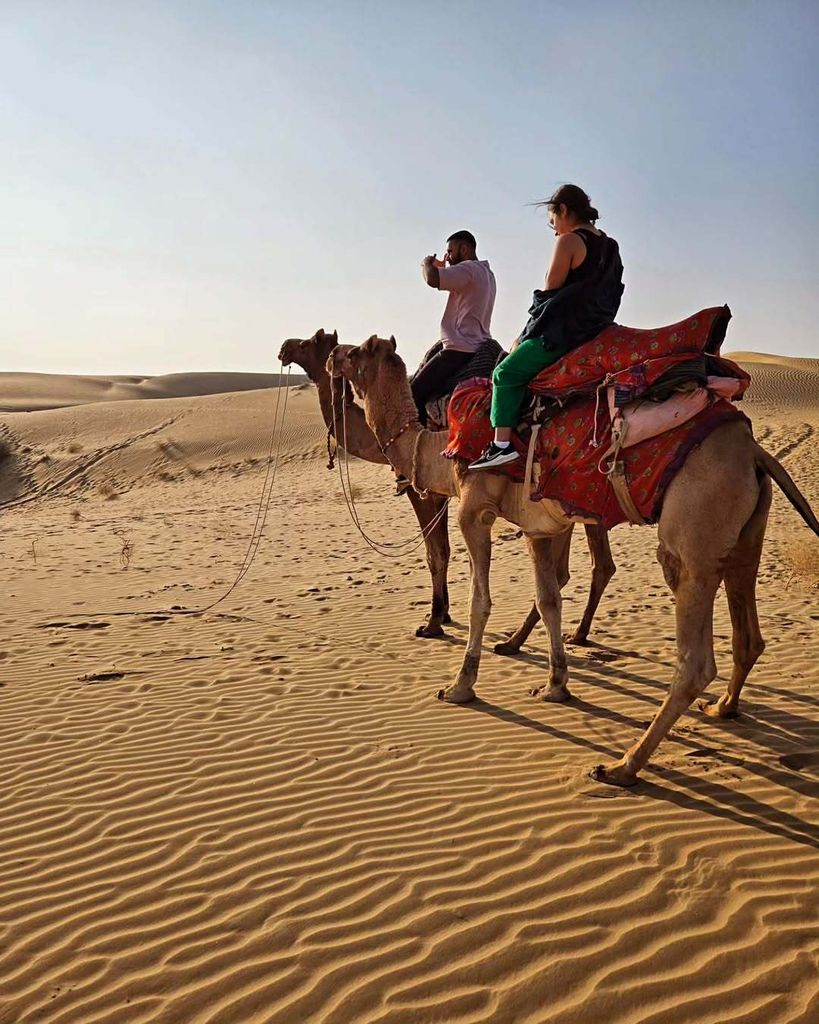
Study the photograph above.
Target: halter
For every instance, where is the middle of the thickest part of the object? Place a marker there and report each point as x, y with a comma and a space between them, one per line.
394, 438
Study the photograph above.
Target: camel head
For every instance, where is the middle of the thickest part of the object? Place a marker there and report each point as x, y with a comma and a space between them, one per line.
362, 365
310, 354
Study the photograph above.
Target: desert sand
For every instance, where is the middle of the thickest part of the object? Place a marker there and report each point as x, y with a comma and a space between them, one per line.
261, 814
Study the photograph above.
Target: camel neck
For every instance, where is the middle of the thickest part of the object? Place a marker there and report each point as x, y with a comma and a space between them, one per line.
349, 419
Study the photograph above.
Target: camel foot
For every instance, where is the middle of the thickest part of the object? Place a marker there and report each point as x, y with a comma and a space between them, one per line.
430, 630
616, 775
447, 619
576, 639
552, 694
457, 694
507, 649
717, 709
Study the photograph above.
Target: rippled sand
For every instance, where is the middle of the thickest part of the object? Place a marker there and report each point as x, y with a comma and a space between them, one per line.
260, 814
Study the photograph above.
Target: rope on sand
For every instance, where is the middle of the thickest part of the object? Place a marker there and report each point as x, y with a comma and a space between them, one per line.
258, 527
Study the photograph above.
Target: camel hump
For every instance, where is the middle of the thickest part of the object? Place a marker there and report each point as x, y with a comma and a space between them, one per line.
777, 472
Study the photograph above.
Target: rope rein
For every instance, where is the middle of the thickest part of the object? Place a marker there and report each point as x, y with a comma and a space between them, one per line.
388, 549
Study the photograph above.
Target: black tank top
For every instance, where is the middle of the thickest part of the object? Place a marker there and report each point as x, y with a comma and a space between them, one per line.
588, 268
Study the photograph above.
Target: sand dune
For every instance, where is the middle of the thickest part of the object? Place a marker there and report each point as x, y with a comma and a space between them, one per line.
781, 383
260, 815
24, 392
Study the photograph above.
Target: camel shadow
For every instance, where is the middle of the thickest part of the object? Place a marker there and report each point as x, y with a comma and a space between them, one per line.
701, 793
774, 729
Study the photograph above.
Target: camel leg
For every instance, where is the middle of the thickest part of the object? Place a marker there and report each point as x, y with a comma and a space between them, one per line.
437, 551
603, 568
740, 587
696, 668
476, 527
513, 645
550, 558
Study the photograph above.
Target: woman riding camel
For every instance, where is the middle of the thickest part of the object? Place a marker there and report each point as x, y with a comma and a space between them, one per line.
583, 290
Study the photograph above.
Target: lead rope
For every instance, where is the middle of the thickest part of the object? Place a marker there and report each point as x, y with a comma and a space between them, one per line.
258, 527
388, 549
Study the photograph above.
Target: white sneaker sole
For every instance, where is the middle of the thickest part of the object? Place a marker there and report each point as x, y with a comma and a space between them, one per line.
499, 460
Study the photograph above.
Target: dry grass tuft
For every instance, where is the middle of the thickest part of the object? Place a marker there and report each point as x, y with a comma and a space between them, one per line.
803, 557
108, 491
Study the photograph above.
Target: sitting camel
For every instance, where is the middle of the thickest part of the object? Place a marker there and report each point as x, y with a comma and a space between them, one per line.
697, 550
311, 355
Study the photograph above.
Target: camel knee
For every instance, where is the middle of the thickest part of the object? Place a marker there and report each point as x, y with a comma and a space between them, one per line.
671, 566
604, 572
748, 653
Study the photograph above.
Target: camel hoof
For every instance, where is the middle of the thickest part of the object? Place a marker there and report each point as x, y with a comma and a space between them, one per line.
456, 695
429, 632
506, 649
617, 775
717, 710
551, 694
576, 639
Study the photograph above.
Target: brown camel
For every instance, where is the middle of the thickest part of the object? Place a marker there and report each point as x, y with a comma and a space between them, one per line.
697, 550
311, 355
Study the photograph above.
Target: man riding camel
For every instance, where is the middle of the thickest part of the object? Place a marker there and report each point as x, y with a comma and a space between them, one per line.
467, 317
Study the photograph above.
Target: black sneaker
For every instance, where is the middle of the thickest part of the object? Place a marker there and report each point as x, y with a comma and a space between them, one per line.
494, 456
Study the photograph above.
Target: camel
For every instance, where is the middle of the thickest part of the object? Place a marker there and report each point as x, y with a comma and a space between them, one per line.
311, 355
697, 549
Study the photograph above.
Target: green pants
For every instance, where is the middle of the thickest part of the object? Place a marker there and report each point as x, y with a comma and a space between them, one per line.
511, 377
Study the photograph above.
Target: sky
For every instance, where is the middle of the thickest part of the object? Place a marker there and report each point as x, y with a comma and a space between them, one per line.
186, 184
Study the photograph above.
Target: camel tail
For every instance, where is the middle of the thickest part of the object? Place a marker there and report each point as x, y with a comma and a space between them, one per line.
777, 472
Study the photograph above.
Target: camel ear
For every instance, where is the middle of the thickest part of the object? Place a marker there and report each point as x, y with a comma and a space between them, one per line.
319, 333
393, 342
335, 336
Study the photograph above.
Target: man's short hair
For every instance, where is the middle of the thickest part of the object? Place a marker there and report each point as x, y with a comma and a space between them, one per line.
464, 236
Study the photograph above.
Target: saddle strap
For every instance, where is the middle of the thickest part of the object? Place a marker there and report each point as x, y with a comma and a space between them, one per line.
530, 458
617, 478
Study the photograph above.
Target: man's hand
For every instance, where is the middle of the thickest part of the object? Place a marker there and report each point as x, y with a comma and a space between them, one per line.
429, 268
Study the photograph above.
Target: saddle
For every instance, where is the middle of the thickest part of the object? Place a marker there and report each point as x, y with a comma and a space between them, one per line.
608, 425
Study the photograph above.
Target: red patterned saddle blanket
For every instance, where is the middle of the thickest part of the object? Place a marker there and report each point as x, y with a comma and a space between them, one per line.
603, 425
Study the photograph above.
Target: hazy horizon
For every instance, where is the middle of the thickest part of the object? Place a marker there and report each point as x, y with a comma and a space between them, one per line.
189, 183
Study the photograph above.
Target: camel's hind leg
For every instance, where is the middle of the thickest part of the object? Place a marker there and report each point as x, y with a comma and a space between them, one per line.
740, 587
513, 645
476, 527
695, 666
548, 554
603, 568
437, 551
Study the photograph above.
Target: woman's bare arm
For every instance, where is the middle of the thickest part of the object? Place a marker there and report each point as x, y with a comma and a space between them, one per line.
568, 252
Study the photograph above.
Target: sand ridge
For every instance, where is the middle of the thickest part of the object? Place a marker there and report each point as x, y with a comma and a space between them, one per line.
262, 816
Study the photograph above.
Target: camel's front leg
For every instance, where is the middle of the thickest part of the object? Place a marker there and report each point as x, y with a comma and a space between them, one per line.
477, 532
547, 554
437, 550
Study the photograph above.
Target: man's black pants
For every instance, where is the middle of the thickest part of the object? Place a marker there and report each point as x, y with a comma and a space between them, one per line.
432, 379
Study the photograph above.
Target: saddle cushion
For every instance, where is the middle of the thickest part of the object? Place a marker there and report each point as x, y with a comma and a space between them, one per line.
632, 359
